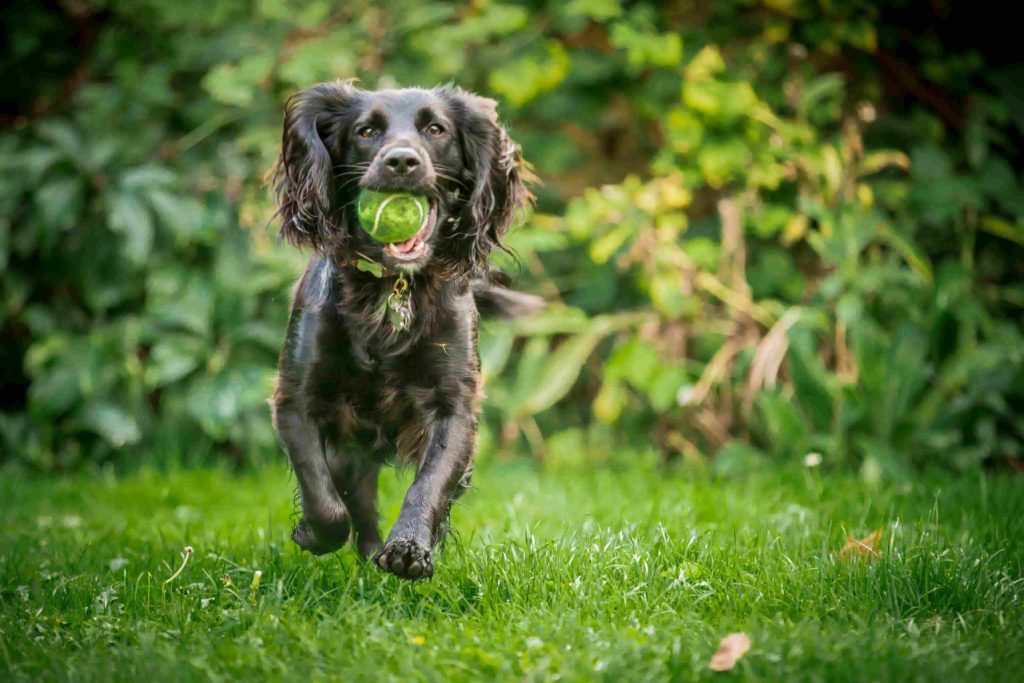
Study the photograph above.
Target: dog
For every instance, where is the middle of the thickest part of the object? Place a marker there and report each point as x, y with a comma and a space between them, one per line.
380, 359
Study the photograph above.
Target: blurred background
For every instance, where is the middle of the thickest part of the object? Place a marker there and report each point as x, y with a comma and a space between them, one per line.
771, 232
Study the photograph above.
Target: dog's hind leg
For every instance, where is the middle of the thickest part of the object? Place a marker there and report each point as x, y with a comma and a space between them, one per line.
356, 480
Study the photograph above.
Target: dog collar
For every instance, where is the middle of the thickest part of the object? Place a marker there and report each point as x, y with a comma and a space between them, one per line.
398, 305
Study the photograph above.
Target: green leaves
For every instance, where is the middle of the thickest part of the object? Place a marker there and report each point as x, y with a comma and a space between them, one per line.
940, 194
111, 422
532, 75
644, 47
220, 402
810, 386
236, 84
133, 224
60, 202
139, 268
548, 368
172, 358
54, 391
558, 373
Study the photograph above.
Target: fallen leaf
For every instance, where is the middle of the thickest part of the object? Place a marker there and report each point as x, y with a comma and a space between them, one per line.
863, 547
732, 647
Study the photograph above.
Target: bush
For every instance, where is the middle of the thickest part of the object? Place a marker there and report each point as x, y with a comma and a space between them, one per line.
782, 225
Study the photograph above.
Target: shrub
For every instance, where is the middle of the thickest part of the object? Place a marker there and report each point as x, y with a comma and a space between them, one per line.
779, 225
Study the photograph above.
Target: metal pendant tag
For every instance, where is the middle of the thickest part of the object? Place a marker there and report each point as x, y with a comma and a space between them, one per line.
399, 308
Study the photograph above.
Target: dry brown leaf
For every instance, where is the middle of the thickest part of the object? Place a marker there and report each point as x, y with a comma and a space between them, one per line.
732, 647
863, 547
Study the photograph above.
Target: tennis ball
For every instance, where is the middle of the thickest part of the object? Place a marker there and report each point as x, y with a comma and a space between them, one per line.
391, 217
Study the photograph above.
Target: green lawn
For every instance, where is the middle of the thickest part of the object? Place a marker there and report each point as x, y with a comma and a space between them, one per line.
571, 574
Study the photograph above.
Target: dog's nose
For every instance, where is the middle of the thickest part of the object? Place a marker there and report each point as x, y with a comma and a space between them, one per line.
401, 161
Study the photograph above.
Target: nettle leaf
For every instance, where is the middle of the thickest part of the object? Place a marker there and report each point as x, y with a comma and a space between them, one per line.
147, 177
36, 161
182, 215
181, 302
112, 422
173, 358
128, 217
60, 203
54, 391
101, 152
63, 136
218, 401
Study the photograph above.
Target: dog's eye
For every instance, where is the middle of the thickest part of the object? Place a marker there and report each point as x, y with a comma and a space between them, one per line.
435, 129
367, 132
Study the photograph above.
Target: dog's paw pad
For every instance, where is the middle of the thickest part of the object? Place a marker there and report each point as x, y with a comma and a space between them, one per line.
405, 559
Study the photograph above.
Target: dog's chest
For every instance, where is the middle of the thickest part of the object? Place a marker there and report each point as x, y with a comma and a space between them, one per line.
379, 415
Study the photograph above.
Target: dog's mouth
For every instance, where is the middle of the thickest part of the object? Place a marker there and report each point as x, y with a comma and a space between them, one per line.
416, 246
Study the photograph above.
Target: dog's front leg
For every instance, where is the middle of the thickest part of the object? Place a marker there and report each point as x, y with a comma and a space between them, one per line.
446, 461
325, 522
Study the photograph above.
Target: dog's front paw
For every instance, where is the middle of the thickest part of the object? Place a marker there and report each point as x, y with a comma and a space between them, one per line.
405, 559
323, 534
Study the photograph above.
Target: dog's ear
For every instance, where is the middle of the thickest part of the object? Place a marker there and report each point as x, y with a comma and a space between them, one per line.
303, 178
495, 171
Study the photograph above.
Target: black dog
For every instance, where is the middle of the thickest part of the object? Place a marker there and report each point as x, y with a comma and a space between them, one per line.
380, 355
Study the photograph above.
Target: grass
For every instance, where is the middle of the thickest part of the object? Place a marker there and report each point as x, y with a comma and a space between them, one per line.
572, 574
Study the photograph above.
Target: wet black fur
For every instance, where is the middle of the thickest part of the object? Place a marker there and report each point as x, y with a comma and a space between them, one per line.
353, 392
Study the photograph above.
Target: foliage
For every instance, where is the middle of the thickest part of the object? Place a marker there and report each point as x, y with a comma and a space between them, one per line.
765, 228
553, 582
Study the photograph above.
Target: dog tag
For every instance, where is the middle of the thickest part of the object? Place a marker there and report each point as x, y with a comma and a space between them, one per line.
400, 305
399, 313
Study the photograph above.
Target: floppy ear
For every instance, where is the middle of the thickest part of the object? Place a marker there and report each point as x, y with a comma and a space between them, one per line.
303, 179
498, 174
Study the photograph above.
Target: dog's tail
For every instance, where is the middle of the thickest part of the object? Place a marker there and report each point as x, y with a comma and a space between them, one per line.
495, 298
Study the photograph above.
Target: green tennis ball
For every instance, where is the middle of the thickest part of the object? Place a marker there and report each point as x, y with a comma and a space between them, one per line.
391, 217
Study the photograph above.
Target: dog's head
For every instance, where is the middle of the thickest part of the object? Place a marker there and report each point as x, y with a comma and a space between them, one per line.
443, 143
